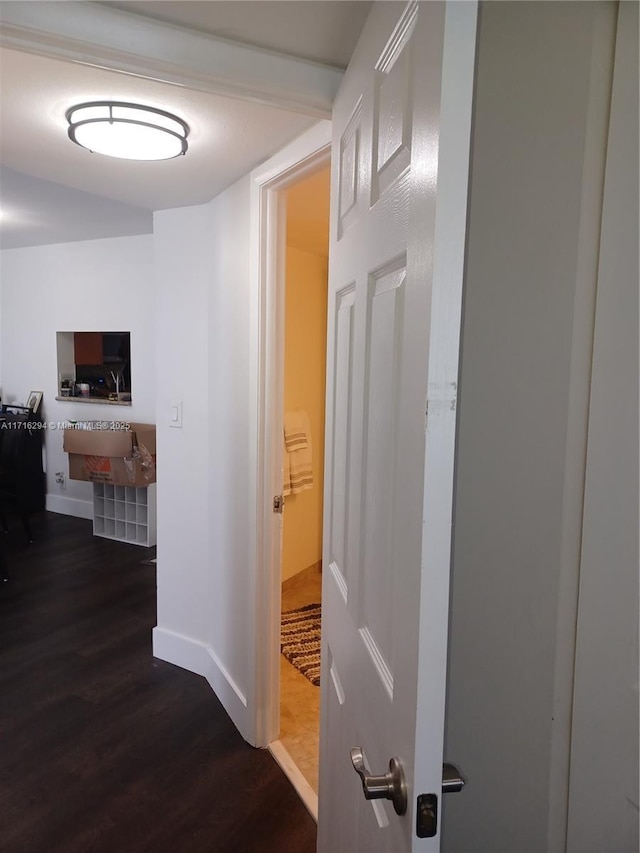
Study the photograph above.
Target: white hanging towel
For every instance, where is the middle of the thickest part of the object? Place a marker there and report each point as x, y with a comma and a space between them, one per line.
297, 441
296, 431
286, 470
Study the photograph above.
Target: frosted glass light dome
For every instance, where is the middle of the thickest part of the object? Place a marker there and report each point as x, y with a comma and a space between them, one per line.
127, 131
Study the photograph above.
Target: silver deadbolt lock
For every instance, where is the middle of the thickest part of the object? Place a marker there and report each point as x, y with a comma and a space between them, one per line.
391, 786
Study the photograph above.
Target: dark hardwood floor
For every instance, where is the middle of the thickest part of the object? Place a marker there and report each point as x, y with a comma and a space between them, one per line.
104, 749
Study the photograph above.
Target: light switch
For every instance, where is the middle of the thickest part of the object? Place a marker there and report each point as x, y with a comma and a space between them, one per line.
175, 413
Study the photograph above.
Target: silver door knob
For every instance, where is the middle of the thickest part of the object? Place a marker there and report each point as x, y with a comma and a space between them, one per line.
392, 786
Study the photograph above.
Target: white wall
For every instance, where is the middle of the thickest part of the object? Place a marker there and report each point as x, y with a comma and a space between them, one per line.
202, 276
541, 117
604, 816
94, 285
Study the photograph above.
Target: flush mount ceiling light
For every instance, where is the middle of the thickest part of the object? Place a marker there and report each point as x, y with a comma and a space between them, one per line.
128, 131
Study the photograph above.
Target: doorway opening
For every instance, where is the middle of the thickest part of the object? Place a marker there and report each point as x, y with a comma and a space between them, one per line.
303, 159
306, 269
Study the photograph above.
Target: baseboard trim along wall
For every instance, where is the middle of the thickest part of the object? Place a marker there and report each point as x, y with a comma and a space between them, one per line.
301, 577
69, 506
199, 658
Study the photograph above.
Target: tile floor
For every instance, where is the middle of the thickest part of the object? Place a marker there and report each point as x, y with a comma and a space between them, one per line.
299, 698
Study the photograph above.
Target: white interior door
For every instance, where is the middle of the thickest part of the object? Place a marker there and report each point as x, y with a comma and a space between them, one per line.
400, 158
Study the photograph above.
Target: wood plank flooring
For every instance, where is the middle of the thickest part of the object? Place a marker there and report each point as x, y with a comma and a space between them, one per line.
104, 749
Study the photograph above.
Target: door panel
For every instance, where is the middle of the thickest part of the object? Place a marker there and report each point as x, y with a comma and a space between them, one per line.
386, 364
382, 365
393, 108
342, 383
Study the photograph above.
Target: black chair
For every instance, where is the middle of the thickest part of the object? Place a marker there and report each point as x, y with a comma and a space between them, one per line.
22, 488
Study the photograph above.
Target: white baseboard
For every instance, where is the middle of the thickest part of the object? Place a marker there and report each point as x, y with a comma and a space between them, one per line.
70, 506
199, 658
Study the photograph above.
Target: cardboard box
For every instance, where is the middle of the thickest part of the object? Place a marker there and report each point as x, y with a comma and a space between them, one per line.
107, 455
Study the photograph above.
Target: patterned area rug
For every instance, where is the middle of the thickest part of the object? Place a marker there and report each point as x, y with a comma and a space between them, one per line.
300, 640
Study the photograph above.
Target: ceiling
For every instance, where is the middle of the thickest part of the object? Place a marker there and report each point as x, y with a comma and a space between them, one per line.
54, 191
227, 138
324, 32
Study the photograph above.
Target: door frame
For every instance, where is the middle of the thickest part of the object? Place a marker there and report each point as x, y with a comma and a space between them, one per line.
301, 158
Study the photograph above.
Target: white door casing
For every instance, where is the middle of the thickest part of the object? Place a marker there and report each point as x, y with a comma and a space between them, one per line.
400, 159
297, 160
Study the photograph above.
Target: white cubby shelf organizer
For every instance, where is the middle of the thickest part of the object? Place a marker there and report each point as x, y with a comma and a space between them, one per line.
125, 513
